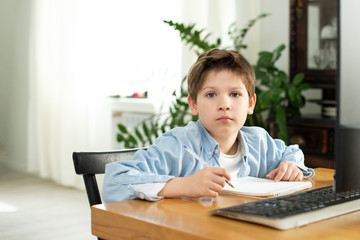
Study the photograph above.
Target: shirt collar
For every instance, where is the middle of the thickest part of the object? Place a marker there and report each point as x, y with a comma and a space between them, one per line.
210, 146
244, 145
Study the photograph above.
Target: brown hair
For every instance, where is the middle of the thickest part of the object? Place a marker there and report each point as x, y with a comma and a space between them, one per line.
215, 60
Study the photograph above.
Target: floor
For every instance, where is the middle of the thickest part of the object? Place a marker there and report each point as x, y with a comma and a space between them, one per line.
33, 208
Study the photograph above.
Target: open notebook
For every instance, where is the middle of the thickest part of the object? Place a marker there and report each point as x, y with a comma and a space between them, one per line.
262, 188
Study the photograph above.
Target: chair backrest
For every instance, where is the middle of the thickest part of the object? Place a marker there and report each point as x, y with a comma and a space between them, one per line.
88, 164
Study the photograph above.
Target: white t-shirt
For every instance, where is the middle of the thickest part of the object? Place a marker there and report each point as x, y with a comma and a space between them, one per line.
231, 163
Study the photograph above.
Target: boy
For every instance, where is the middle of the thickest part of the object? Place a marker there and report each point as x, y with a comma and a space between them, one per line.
221, 86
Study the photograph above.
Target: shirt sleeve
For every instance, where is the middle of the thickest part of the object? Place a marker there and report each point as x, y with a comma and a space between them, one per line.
120, 177
307, 172
148, 191
293, 153
158, 164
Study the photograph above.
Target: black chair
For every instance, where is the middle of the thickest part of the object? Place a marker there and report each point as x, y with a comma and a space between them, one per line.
89, 164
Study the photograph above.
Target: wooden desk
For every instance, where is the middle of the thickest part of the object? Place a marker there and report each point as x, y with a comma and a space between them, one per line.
189, 219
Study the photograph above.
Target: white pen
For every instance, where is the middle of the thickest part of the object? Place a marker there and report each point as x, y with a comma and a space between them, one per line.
197, 157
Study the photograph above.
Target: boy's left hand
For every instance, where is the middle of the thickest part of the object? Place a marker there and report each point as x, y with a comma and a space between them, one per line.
287, 171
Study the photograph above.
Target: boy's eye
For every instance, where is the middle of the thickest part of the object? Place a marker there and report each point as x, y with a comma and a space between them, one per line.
235, 94
210, 95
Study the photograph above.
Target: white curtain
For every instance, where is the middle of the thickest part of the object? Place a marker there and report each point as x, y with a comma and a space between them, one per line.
81, 52
85, 50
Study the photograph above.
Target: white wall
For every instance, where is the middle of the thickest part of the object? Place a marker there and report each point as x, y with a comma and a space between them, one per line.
275, 29
14, 37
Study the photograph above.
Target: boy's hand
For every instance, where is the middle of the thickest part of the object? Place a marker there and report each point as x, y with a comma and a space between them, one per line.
287, 171
206, 182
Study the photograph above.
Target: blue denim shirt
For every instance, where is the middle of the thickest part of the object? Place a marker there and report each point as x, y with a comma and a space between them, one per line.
167, 159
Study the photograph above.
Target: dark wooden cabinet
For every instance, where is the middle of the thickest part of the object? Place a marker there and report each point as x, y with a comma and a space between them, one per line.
313, 51
313, 41
315, 136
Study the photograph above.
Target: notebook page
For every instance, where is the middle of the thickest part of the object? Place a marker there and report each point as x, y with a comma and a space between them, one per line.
260, 187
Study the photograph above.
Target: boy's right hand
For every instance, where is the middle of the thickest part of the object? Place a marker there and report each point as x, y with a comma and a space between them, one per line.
206, 182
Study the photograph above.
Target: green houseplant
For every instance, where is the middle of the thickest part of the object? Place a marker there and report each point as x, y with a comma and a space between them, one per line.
277, 97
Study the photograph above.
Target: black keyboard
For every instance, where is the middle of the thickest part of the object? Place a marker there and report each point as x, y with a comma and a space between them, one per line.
284, 207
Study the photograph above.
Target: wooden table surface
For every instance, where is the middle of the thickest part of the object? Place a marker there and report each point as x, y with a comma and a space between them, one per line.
189, 219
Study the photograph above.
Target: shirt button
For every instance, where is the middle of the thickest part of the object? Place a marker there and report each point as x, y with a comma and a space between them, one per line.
216, 151
141, 196
210, 153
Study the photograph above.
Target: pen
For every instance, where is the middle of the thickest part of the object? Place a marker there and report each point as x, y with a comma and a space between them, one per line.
197, 157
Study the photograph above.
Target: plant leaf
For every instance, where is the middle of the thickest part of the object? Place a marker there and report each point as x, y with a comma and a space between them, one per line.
265, 59
122, 128
119, 137
298, 78
132, 140
139, 136
264, 99
277, 52
304, 86
280, 119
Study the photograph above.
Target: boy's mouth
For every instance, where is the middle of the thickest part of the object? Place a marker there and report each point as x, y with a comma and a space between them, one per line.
224, 118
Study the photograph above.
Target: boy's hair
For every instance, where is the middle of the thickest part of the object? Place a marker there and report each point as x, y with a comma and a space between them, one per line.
216, 60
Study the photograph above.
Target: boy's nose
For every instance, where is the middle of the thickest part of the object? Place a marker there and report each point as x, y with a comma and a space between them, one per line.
224, 104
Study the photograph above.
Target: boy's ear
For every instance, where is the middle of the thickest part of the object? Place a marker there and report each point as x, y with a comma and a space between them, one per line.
252, 105
192, 105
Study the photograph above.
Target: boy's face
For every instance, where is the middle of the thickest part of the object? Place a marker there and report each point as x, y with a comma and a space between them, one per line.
222, 104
